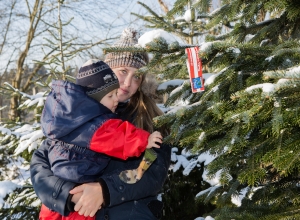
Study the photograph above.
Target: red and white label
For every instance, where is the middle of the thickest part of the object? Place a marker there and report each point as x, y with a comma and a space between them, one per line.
194, 66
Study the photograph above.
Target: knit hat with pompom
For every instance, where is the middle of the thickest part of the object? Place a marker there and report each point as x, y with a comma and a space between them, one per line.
129, 38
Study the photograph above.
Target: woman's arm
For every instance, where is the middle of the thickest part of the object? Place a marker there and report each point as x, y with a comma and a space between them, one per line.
115, 191
52, 191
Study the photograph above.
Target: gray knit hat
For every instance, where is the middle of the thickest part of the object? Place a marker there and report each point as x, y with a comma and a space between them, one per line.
98, 79
129, 38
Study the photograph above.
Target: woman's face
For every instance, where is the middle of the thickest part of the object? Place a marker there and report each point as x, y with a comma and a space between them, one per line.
129, 82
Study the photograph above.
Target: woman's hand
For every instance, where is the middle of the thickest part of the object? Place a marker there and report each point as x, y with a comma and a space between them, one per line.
76, 197
90, 201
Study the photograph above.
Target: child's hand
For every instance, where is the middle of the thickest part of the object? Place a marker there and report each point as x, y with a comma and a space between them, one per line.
154, 139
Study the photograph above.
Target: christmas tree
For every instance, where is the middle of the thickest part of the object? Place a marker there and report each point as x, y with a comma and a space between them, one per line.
243, 129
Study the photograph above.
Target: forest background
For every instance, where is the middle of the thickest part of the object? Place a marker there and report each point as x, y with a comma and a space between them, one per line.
236, 145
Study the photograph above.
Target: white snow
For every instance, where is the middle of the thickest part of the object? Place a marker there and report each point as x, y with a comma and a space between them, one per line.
212, 77
188, 15
173, 83
151, 35
266, 87
270, 58
237, 200
28, 141
6, 187
205, 47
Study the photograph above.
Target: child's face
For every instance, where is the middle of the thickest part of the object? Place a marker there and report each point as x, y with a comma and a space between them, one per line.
110, 100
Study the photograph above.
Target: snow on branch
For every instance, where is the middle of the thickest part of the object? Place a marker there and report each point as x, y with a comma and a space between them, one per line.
29, 141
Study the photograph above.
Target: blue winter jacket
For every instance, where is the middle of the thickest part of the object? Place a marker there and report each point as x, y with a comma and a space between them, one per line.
70, 118
121, 200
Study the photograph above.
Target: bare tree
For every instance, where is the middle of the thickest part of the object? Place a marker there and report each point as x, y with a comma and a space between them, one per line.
30, 36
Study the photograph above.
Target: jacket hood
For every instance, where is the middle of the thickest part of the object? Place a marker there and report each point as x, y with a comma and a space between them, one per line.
68, 107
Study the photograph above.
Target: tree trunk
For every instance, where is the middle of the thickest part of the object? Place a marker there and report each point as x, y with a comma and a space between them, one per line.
16, 83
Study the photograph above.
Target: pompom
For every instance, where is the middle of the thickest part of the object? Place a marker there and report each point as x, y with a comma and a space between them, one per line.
130, 33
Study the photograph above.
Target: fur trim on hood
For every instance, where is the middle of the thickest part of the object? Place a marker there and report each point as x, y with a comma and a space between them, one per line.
149, 88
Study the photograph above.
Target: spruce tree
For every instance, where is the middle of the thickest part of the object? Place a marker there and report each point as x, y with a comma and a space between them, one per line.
247, 119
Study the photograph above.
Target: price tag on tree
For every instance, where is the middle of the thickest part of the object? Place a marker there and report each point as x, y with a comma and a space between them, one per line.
194, 66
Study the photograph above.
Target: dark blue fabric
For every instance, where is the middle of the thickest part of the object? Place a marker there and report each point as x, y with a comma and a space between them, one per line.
51, 190
74, 163
70, 116
150, 184
133, 210
125, 198
127, 201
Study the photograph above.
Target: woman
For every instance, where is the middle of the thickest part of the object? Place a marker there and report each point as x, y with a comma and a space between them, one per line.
111, 198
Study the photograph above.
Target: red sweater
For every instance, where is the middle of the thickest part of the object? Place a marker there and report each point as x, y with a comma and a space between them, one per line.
119, 139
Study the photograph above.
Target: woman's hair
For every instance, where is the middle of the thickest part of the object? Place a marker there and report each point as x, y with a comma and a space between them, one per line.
144, 109
141, 108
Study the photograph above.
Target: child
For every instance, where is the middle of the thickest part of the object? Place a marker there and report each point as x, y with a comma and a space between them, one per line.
83, 113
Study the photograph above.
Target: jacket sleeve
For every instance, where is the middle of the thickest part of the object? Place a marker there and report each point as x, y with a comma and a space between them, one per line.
119, 139
150, 184
51, 190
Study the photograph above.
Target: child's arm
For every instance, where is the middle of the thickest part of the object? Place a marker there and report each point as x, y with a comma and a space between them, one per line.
120, 139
